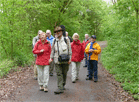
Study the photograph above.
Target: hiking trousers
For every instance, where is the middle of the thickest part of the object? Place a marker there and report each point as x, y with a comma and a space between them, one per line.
51, 67
75, 70
61, 71
43, 75
93, 68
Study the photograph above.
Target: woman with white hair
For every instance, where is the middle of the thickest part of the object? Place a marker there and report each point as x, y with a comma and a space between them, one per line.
43, 50
77, 56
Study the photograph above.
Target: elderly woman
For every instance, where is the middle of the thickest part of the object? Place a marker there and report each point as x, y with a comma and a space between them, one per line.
77, 56
43, 50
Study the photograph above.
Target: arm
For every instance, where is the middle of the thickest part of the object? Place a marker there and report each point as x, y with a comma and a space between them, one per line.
87, 49
52, 50
34, 41
98, 51
69, 47
82, 52
35, 49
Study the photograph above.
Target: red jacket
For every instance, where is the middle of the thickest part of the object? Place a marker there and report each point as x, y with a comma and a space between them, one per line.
42, 57
77, 51
85, 43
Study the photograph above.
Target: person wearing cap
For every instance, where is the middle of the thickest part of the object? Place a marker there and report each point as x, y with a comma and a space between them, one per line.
35, 39
77, 57
93, 49
50, 39
69, 37
85, 42
43, 50
61, 45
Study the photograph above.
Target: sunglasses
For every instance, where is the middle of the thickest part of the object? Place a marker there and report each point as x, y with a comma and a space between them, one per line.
57, 31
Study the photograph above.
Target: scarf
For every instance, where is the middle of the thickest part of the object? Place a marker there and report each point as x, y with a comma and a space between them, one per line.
91, 47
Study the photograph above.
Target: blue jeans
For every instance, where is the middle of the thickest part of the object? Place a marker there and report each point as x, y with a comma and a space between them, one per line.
93, 68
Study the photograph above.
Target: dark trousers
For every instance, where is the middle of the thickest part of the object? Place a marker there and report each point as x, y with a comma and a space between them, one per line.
93, 68
88, 66
85, 59
61, 70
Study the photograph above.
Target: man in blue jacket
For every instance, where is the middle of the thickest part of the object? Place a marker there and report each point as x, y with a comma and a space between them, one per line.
50, 39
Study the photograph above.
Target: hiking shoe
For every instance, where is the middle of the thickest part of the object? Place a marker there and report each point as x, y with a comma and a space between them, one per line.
73, 81
88, 78
58, 91
85, 66
51, 74
95, 80
41, 88
35, 78
45, 89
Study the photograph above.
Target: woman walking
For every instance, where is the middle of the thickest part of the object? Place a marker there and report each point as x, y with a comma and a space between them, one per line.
43, 50
77, 56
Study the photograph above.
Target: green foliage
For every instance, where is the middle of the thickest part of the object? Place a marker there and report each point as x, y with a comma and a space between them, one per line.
6, 66
21, 19
121, 57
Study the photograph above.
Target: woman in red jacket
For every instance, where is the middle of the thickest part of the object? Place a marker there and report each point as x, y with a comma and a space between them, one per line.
43, 50
77, 56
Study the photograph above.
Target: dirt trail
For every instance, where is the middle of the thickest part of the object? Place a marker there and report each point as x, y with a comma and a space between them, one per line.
20, 86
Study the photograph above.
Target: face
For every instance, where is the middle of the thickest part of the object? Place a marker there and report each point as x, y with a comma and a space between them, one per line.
66, 34
92, 40
48, 34
86, 36
58, 32
75, 38
43, 36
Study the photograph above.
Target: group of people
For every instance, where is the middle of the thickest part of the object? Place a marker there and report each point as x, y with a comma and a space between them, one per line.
60, 51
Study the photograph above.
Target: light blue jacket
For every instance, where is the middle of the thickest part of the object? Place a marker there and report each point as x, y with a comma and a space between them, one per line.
50, 39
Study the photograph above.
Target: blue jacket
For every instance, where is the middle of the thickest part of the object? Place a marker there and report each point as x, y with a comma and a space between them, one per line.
50, 40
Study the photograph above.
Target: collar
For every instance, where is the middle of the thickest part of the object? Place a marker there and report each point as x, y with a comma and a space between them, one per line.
62, 39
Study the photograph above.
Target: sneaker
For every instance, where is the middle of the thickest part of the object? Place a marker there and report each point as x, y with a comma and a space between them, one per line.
88, 78
45, 89
58, 91
51, 74
73, 81
85, 66
41, 88
95, 80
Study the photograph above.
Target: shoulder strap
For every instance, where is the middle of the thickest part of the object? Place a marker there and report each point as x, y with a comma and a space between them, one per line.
54, 41
65, 40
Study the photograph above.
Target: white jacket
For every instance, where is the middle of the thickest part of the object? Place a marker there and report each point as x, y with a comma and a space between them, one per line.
63, 49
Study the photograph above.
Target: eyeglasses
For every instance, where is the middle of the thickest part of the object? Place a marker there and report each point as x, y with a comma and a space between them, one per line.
47, 33
57, 31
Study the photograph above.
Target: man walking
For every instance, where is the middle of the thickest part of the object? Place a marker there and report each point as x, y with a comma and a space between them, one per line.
85, 42
61, 46
35, 39
93, 49
50, 39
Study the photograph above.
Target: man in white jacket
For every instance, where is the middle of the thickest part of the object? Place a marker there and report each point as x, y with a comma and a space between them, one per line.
61, 45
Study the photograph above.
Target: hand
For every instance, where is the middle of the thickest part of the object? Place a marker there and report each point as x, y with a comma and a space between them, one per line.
91, 50
69, 61
42, 50
50, 60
